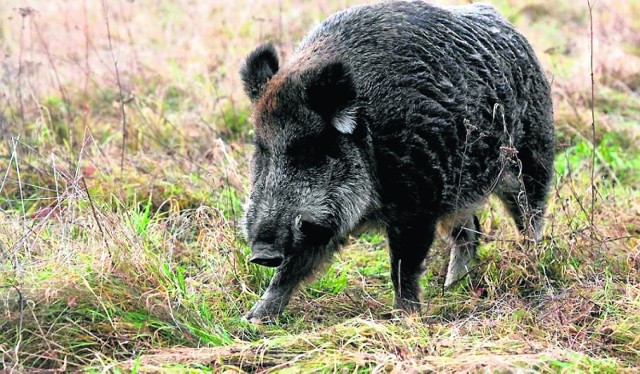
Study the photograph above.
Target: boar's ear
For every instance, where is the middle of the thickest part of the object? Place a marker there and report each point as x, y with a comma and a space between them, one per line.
259, 67
331, 93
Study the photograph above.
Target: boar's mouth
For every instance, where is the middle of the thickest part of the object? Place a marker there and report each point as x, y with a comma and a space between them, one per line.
266, 255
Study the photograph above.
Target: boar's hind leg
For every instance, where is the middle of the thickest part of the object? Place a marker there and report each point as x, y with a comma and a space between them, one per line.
286, 279
524, 192
463, 253
409, 244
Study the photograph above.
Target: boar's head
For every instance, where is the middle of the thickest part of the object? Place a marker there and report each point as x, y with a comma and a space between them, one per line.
311, 170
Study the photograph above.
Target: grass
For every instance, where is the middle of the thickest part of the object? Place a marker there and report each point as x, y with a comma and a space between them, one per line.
144, 269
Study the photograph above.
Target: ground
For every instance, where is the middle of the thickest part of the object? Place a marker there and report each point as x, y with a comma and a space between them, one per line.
124, 164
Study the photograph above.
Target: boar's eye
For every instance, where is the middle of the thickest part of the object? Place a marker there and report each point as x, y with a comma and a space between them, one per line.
312, 151
314, 232
305, 151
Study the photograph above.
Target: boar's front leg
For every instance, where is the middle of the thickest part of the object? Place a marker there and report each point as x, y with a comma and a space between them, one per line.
409, 244
288, 276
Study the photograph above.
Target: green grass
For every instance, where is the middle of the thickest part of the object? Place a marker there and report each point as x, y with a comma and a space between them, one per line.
144, 268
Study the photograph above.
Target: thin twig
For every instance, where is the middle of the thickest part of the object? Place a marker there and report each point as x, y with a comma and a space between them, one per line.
123, 116
6, 173
93, 208
15, 141
21, 321
593, 122
24, 12
87, 66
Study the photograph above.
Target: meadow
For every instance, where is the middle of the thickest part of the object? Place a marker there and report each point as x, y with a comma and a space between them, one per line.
124, 162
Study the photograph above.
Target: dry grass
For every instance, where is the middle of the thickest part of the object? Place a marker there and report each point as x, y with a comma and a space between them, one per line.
144, 270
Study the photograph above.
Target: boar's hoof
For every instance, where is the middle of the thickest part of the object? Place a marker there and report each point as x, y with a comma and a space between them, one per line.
259, 315
254, 320
266, 255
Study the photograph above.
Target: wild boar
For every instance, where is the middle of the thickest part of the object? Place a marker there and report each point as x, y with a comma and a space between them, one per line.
401, 115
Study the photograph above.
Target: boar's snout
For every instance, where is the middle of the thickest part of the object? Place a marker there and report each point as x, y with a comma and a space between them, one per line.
266, 255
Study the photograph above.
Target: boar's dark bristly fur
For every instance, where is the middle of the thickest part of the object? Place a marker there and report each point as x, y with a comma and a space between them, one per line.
401, 115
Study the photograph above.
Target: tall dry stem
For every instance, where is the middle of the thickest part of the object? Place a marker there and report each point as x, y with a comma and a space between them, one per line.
593, 123
123, 114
